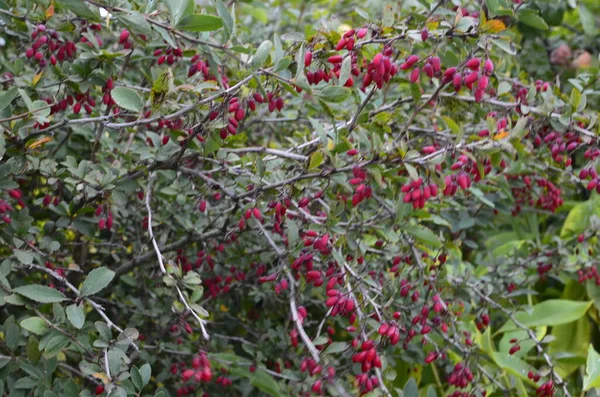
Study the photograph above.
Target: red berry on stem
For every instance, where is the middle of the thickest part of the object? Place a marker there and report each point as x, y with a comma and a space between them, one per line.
124, 36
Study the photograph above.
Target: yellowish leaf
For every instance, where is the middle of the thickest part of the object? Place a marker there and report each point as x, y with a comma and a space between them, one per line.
343, 28
500, 135
40, 142
330, 145
50, 11
102, 376
224, 308
433, 25
37, 78
493, 26
185, 87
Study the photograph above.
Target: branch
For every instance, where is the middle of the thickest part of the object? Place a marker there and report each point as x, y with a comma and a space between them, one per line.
274, 152
161, 264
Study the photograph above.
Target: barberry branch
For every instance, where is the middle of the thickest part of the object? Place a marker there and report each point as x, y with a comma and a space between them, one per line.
159, 257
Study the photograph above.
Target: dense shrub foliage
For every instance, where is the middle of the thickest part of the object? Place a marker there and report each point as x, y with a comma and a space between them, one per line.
298, 198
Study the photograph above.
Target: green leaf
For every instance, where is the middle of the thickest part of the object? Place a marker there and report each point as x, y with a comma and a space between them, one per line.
136, 378
26, 258
226, 16
55, 345
145, 373
179, 9
211, 145
316, 159
25, 383
40, 293
6, 97
513, 364
531, 18
345, 70
40, 111
334, 94
578, 218
32, 350
415, 92
127, 98
492, 6
79, 8
571, 340
431, 392
59, 313
12, 336
411, 388
575, 99
592, 370
505, 45
97, 280
424, 235
261, 54
135, 22
587, 19
504, 87
71, 389
200, 23
265, 382
76, 315
452, 125
518, 130
35, 325
549, 313
166, 36
336, 347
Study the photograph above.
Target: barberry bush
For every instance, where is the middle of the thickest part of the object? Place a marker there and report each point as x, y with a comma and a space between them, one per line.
299, 198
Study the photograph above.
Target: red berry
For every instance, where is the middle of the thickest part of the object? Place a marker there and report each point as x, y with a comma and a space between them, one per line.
488, 67
473, 63
124, 36
414, 75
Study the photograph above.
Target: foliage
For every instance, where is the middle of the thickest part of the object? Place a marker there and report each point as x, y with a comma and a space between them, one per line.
299, 198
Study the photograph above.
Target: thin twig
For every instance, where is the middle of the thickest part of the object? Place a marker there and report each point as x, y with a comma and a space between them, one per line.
161, 264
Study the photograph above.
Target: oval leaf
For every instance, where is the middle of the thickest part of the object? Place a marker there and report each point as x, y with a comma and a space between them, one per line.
265, 382
530, 18
262, 53
179, 9
6, 97
200, 23
127, 98
97, 280
76, 315
35, 325
334, 94
40, 293
551, 312
592, 370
